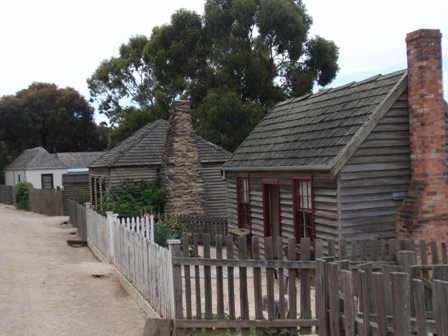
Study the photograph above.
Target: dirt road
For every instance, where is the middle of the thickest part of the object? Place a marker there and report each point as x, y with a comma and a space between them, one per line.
49, 288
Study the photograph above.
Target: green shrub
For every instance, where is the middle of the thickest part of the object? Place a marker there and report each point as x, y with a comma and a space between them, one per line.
135, 197
22, 195
168, 228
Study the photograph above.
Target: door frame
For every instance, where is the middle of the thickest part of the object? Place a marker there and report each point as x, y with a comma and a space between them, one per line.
268, 183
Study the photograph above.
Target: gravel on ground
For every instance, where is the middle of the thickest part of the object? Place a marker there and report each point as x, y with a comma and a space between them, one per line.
50, 288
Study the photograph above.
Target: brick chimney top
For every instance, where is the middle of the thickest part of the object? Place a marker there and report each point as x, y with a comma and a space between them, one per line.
424, 212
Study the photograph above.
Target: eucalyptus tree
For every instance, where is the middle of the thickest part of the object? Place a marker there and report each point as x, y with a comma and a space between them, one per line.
123, 82
233, 62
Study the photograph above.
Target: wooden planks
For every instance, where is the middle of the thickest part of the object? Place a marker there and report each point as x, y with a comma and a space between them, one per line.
255, 290
406, 302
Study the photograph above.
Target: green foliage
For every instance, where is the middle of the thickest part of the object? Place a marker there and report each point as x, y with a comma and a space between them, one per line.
233, 63
59, 120
224, 119
135, 197
22, 195
167, 228
124, 81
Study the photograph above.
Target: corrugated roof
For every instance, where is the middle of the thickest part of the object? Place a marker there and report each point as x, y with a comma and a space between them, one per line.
146, 146
318, 130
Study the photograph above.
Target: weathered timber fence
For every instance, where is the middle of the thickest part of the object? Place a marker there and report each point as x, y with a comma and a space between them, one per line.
126, 244
47, 202
216, 289
399, 294
6, 194
365, 287
77, 215
200, 225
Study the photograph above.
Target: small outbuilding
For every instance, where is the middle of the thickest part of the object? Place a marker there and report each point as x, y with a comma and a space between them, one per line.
359, 161
44, 170
140, 157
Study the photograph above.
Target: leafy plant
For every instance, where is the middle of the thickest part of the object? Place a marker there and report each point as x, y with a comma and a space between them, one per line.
168, 228
22, 195
136, 197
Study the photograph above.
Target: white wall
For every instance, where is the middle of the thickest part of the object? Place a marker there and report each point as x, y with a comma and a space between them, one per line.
12, 177
34, 177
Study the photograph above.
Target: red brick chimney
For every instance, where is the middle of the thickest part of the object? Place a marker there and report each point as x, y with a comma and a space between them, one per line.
424, 212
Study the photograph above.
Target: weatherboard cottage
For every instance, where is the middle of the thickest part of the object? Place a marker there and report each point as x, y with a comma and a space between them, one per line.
363, 160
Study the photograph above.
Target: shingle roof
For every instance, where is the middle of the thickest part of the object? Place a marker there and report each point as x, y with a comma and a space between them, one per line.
146, 146
39, 158
35, 158
78, 159
318, 131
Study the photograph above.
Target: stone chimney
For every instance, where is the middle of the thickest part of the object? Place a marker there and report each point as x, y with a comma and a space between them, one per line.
424, 212
181, 172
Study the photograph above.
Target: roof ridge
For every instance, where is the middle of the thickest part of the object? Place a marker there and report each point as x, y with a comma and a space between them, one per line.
38, 150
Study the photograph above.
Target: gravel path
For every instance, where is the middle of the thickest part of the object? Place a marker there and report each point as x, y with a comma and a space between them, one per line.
49, 288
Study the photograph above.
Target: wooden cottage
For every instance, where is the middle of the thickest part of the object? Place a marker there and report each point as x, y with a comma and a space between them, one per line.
351, 162
139, 157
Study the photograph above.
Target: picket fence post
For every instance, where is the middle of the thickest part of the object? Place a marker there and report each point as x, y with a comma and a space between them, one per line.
151, 219
110, 222
176, 302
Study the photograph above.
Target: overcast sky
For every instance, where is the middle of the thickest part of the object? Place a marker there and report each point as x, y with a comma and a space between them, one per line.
63, 42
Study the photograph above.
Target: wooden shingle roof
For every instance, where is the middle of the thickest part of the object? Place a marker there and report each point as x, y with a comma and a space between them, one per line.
146, 146
318, 131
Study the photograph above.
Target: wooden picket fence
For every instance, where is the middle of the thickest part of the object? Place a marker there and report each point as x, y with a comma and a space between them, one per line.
385, 288
200, 225
280, 289
127, 244
225, 289
77, 215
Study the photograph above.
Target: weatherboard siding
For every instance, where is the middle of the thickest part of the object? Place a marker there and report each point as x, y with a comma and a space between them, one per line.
378, 169
138, 173
215, 190
325, 203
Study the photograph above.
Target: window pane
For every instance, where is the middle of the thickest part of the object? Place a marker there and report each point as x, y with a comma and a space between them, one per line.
243, 198
47, 181
304, 217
